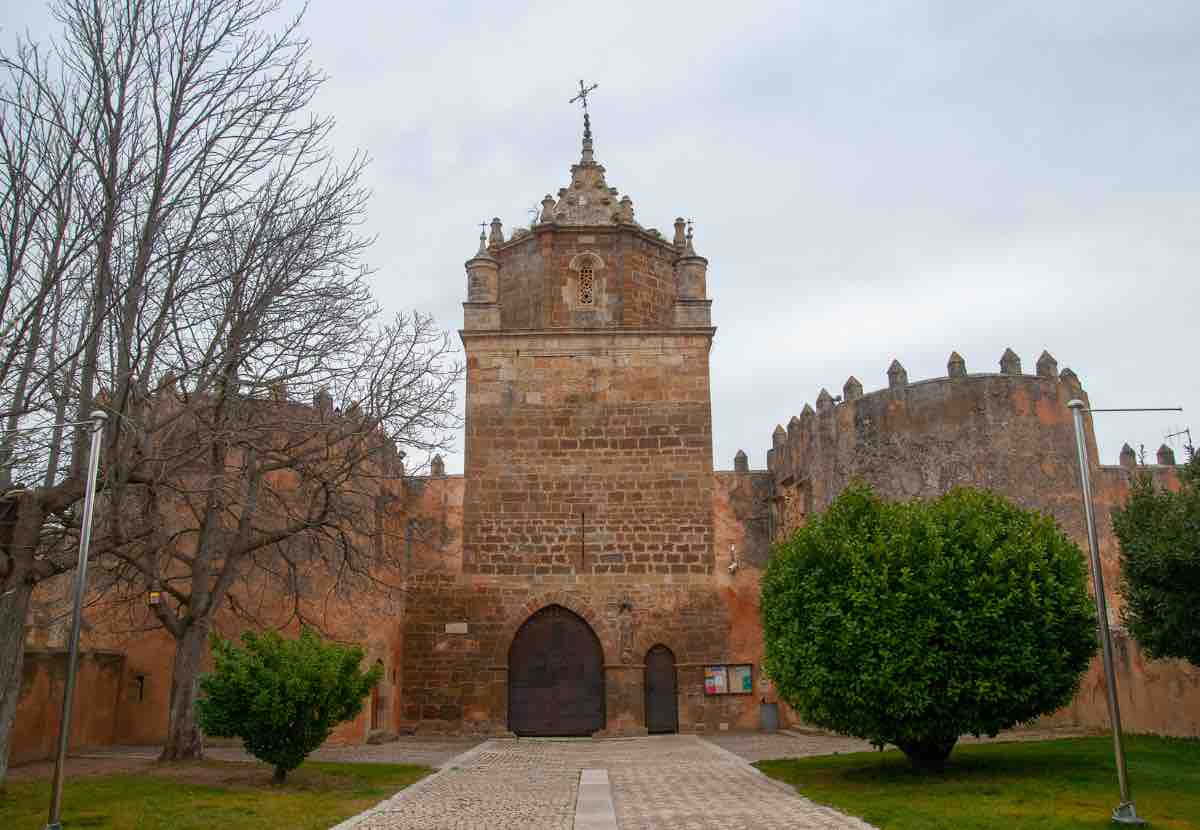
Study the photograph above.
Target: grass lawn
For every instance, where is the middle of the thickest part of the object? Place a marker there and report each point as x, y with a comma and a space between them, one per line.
209, 795
1051, 785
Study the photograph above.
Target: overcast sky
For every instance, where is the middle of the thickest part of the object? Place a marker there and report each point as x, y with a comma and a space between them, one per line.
869, 180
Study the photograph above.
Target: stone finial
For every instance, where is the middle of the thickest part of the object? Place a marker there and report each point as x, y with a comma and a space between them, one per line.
1068, 377
437, 467
852, 389
680, 237
771, 460
824, 401
626, 208
547, 208
167, 386
688, 248
1047, 366
496, 237
741, 464
897, 376
1166, 456
956, 367
793, 425
1128, 456
323, 401
807, 415
279, 392
1010, 363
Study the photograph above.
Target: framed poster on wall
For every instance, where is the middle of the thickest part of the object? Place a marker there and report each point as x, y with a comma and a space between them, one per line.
716, 680
737, 679
741, 680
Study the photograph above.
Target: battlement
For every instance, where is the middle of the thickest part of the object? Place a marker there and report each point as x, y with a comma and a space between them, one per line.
923, 406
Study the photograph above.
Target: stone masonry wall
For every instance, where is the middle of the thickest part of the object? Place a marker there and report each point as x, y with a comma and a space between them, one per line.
1008, 432
588, 453
459, 625
633, 270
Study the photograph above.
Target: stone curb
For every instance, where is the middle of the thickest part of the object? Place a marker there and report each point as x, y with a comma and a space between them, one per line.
848, 821
416, 789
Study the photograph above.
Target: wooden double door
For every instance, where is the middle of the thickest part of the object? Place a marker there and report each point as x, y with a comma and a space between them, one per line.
555, 676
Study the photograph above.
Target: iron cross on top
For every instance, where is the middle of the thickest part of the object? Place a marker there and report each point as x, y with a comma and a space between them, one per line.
583, 94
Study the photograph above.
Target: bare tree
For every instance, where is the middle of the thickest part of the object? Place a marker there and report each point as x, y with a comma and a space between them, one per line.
195, 247
44, 303
251, 483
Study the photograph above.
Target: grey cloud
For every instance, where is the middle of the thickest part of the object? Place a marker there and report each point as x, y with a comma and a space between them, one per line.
869, 181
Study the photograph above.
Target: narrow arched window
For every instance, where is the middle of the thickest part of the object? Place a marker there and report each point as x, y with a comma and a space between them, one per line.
587, 284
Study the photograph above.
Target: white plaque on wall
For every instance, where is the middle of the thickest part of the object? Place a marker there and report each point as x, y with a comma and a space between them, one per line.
456, 628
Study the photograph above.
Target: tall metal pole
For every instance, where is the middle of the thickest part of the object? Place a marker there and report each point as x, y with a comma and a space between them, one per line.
85, 538
1125, 813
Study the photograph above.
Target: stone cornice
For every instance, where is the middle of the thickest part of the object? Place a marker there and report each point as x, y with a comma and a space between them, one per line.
609, 331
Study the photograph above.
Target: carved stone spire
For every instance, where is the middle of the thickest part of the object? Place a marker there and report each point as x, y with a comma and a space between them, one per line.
897, 376
824, 401
853, 389
588, 156
1047, 366
1128, 456
1010, 363
1166, 455
741, 464
956, 367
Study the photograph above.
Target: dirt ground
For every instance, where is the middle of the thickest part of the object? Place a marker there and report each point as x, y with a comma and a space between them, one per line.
197, 772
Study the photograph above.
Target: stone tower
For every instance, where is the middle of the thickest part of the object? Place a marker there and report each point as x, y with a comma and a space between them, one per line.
588, 444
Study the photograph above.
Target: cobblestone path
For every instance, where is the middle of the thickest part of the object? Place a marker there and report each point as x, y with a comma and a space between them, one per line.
672, 782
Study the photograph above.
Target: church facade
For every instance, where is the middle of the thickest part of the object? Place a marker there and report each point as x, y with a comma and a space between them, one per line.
588, 535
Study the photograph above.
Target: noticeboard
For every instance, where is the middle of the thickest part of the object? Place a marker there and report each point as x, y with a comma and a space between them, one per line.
729, 680
716, 680
741, 680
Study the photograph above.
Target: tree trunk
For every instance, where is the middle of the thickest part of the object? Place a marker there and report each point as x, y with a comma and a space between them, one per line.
279, 776
13, 609
183, 733
928, 754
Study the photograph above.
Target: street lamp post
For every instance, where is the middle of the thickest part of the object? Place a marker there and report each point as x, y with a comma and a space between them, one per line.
85, 537
1125, 813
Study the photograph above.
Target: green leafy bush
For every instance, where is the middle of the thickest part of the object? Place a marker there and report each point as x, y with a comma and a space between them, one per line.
282, 697
1159, 532
915, 623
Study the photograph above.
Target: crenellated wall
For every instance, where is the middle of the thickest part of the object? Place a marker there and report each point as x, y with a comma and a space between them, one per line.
1008, 432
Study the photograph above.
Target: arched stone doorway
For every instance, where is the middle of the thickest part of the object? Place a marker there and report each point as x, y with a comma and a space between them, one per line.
662, 691
555, 676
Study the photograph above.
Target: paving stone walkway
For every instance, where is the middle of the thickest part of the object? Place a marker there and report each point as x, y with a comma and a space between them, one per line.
670, 782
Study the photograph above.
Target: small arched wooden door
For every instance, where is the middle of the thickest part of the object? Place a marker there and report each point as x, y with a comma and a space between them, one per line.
555, 676
662, 702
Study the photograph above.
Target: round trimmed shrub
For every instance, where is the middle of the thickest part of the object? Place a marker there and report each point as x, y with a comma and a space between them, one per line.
282, 697
914, 623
